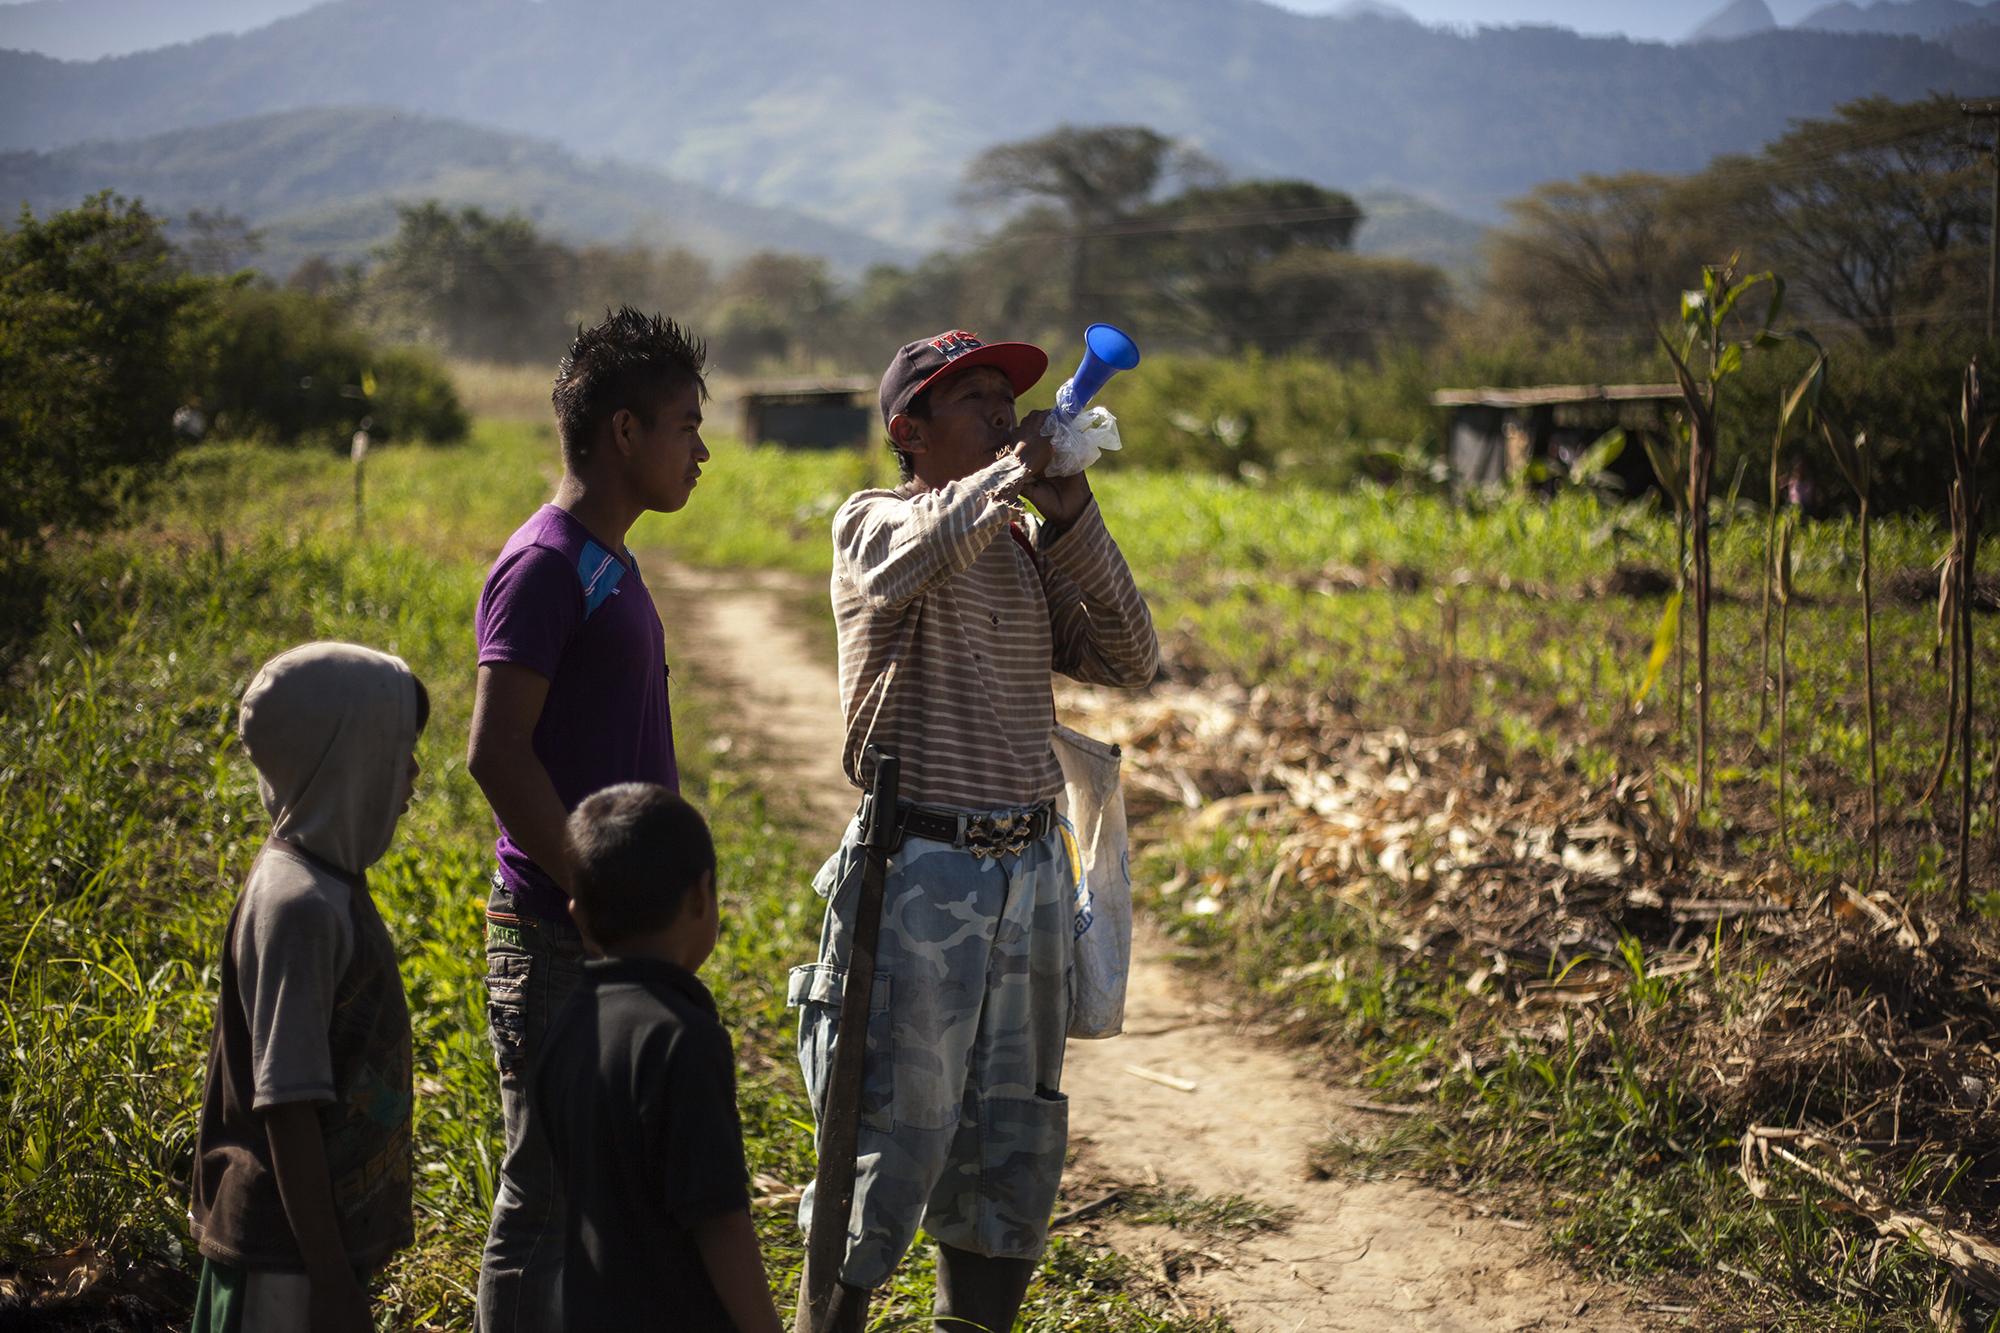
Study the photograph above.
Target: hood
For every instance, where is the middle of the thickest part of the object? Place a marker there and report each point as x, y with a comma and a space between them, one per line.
330, 727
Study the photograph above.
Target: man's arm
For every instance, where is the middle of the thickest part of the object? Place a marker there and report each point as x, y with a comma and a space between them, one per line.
1103, 633
893, 551
735, 1264
501, 758
298, 1160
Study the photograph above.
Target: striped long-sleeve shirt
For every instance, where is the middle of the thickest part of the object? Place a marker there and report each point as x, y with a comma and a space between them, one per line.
949, 629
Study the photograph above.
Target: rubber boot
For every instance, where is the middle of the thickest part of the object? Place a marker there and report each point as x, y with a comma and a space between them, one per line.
978, 1292
846, 1310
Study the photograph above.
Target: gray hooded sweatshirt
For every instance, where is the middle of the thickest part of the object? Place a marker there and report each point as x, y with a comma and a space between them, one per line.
312, 1007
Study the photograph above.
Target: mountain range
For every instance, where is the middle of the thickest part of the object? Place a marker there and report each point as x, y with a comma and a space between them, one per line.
326, 181
92, 29
865, 111
1931, 19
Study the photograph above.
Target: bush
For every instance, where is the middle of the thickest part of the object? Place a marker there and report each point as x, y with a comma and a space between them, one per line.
277, 366
1258, 414
413, 398
287, 368
89, 302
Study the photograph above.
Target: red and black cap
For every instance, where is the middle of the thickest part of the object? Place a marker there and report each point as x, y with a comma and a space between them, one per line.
923, 363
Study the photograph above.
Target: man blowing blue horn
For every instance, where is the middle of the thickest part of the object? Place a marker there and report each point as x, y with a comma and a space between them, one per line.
953, 606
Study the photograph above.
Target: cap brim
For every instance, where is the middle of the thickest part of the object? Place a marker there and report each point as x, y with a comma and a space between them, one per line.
1024, 364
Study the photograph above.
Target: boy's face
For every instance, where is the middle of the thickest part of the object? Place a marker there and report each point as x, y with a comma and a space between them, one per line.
407, 780
708, 929
663, 461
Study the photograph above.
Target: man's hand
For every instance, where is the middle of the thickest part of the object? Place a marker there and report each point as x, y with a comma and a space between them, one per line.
1059, 500
339, 1303
1033, 448
501, 758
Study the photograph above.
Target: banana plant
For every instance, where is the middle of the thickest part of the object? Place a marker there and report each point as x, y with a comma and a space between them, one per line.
1704, 317
1856, 461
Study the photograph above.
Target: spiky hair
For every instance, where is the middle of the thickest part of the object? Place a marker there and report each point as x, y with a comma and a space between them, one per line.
629, 362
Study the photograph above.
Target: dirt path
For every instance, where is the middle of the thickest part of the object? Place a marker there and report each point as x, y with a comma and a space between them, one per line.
1209, 1108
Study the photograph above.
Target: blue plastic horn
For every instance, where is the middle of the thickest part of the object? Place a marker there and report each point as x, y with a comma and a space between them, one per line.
1106, 351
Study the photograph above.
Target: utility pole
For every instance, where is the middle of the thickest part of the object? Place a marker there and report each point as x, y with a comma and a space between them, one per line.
1989, 109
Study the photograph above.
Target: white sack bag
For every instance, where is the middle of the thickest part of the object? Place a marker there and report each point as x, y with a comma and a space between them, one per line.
1093, 810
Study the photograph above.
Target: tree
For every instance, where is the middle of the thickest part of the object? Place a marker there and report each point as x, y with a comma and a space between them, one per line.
90, 300
1346, 307
218, 244
1097, 175
1878, 216
479, 286
1610, 253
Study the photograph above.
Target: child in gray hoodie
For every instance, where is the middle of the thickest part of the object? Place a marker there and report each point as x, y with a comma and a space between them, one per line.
302, 1166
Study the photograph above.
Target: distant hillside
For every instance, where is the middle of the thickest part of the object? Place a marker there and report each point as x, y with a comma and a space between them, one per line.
1738, 18
88, 29
328, 180
866, 110
1912, 18
1406, 227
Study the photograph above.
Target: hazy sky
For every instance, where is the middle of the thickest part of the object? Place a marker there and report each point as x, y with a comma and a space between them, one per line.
1660, 20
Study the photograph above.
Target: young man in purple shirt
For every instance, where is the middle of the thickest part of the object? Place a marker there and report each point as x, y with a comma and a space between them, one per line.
572, 698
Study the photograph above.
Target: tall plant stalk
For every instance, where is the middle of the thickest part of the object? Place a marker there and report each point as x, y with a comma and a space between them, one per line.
1770, 575
1804, 397
1781, 582
1856, 461
1704, 316
1945, 651
1968, 444
1669, 462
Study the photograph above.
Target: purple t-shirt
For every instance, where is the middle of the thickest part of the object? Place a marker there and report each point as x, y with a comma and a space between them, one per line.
558, 603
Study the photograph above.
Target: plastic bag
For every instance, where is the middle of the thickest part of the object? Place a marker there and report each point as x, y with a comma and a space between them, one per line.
1093, 810
1080, 440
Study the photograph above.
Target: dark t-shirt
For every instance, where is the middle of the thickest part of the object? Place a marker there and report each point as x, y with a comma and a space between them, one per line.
559, 604
312, 1010
637, 1092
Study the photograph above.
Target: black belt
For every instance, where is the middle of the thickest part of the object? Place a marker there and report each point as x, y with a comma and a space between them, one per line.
968, 830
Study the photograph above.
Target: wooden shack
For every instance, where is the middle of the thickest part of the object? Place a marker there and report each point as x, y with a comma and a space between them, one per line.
810, 413
1493, 435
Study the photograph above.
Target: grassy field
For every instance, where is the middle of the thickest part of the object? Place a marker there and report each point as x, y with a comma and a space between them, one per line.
131, 817
1512, 619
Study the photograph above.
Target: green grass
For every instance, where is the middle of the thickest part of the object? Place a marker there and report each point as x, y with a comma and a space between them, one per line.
1345, 596
131, 817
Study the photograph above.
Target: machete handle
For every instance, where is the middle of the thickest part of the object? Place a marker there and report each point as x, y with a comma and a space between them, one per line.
884, 784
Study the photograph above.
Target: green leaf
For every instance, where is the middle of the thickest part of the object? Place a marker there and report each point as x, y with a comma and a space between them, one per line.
1664, 635
1599, 456
1806, 393
1730, 361
1735, 486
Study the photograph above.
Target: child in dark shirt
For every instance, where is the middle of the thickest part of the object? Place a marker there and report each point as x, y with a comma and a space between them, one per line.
302, 1164
637, 1085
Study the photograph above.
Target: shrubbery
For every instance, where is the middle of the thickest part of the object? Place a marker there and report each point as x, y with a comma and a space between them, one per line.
1257, 414
104, 337
89, 379
289, 368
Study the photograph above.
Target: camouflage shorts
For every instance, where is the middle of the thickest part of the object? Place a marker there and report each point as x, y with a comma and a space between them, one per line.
963, 1124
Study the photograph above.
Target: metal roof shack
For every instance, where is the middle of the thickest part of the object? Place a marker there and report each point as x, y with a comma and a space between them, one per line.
809, 413
1494, 434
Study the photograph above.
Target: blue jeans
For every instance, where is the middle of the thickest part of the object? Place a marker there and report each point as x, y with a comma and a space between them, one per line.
532, 965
